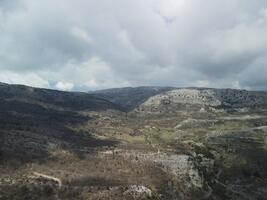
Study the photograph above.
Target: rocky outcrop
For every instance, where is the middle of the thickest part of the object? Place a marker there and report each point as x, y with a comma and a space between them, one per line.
188, 170
203, 100
138, 192
190, 96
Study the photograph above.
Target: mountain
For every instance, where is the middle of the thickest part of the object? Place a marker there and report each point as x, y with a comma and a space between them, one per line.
53, 98
166, 99
129, 98
196, 99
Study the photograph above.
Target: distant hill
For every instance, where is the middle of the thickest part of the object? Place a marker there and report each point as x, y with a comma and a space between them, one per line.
53, 98
130, 97
195, 99
171, 99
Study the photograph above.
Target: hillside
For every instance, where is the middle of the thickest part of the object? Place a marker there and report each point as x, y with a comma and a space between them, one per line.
142, 143
161, 99
129, 98
54, 98
204, 99
31, 119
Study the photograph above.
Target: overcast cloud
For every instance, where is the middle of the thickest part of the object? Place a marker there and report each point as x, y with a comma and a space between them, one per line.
95, 44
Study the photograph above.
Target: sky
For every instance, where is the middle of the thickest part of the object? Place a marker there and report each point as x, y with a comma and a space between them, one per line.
82, 45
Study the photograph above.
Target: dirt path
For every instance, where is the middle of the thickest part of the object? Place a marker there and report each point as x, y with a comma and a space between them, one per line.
49, 178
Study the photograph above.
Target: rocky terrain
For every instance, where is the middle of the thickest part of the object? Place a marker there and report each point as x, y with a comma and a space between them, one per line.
133, 143
204, 99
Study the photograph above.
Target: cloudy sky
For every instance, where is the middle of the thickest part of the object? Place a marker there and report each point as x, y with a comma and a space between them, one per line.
95, 44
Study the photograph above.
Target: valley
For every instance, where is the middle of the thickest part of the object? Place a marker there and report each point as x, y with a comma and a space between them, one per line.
158, 143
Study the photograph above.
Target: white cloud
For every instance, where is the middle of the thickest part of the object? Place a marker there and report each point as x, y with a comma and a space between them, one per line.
64, 86
91, 74
126, 42
27, 78
81, 34
263, 12
170, 9
203, 83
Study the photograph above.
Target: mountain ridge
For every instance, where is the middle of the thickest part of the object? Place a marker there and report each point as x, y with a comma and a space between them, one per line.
64, 99
140, 97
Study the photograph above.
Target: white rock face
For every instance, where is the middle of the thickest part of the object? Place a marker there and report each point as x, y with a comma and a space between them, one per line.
182, 167
200, 99
191, 96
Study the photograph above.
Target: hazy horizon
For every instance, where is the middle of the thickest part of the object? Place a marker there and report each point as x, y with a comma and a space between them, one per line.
108, 88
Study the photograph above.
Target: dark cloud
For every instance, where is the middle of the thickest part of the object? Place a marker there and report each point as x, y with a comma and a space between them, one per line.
94, 44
